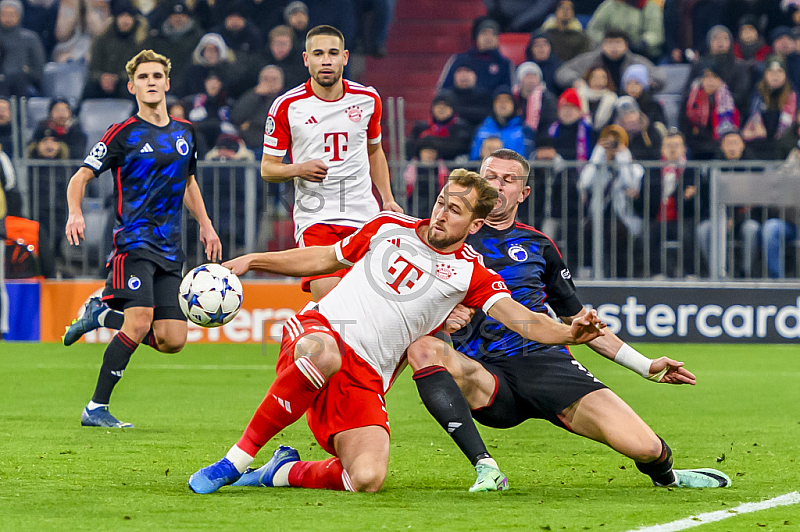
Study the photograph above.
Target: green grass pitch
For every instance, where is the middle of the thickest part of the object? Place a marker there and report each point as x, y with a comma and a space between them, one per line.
742, 417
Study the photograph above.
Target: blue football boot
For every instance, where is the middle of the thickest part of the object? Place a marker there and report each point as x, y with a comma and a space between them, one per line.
264, 475
87, 322
213, 477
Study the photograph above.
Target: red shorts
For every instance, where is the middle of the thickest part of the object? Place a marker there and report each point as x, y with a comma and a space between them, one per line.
352, 398
323, 235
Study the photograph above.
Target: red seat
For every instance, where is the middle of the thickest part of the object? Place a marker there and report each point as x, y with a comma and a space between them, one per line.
512, 45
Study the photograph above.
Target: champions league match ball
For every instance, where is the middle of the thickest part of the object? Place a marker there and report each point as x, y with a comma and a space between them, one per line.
210, 295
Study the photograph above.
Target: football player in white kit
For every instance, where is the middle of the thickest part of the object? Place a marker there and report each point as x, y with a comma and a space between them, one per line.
331, 128
339, 356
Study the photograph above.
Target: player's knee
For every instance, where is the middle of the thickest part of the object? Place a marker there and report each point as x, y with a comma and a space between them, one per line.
427, 351
646, 450
368, 478
322, 351
138, 325
170, 345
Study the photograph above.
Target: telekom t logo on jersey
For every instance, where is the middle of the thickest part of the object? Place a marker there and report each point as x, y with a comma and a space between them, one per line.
407, 274
336, 142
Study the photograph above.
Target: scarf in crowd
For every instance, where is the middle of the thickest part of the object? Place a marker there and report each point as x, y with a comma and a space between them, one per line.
438, 129
788, 104
533, 107
670, 177
582, 141
698, 108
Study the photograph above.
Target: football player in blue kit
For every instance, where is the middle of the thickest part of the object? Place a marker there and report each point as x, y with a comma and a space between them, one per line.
507, 379
152, 157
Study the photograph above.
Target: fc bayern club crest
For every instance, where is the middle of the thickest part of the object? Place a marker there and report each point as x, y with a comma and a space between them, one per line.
354, 113
444, 271
182, 146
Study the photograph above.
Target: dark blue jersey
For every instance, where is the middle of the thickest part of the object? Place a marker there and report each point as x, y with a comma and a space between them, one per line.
150, 166
534, 272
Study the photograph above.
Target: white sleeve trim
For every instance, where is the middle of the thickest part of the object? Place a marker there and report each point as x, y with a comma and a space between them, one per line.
273, 151
494, 299
337, 247
376, 140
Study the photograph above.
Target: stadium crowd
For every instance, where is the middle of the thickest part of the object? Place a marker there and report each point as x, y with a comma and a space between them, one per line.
602, 81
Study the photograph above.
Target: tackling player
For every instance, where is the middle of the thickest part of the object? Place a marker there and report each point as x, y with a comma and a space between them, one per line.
152, 157
507, 378
339, 356
331, 128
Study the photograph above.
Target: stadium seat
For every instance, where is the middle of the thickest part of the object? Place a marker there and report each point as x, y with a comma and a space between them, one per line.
36, 111
64, 80
672, 107
97, 115
676, 76
512, 45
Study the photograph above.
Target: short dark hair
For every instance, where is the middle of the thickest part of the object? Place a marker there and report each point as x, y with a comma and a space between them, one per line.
510, 155
324, 29
617, 34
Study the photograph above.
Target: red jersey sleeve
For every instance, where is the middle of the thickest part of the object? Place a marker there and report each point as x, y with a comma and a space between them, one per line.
485, 288
277, 133
353, 248
374, 127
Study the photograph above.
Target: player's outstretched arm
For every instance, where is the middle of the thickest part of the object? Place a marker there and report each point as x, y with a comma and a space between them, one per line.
75, 192
543, 329
297, 262
193, 200
274, 170
379, 172
613, 348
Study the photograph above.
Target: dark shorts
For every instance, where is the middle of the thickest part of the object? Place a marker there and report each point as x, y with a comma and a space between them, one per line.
539, 385
138, 279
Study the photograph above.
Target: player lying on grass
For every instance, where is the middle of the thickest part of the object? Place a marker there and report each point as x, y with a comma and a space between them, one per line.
339, 356
153, 158
508, 379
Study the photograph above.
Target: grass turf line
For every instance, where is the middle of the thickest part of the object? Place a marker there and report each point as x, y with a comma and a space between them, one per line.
56, 474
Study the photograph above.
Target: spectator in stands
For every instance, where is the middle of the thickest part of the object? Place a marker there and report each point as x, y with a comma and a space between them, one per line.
79, 21
40, 17
472, 104
211, 54
641, 20
177, 37
615, 56
686, 24
375, 19
285, 52
767, 12
6, 133
424, 176
644, 138
621, 182
565, 32
598, 96
206, 14
535, 104
112, 49
736, 73
23, 53
788, 147
540, 51
450, 136
244, 41
783, 41
674, 199
572, 132
772, 111
249, 113
519, 15
489, 146
636, 84
492, 69
750, 45
64, 127
210, 109
504, 123
709, 110
296, 16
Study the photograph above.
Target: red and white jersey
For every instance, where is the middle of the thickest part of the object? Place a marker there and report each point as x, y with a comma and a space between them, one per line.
336, 132
400, 289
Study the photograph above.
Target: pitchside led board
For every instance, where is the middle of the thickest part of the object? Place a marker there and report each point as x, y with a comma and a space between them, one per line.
701, 313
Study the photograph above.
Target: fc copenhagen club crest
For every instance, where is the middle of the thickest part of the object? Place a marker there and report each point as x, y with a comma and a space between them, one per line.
354, 113
444, 271
182, 146
134, 283
518, 253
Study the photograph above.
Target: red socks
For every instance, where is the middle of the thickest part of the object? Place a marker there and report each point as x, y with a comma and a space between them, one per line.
287, 400
325, 475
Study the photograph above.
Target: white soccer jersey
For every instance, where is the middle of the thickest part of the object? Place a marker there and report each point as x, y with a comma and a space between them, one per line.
400, 289
336, 132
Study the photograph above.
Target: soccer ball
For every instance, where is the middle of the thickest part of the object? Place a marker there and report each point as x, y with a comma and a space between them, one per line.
210, 295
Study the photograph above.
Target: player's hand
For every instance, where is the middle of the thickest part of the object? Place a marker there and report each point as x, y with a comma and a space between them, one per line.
75, 227
587, 327
211, 242
239, 265
675, 374
314, 170
458, 318
392, 206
